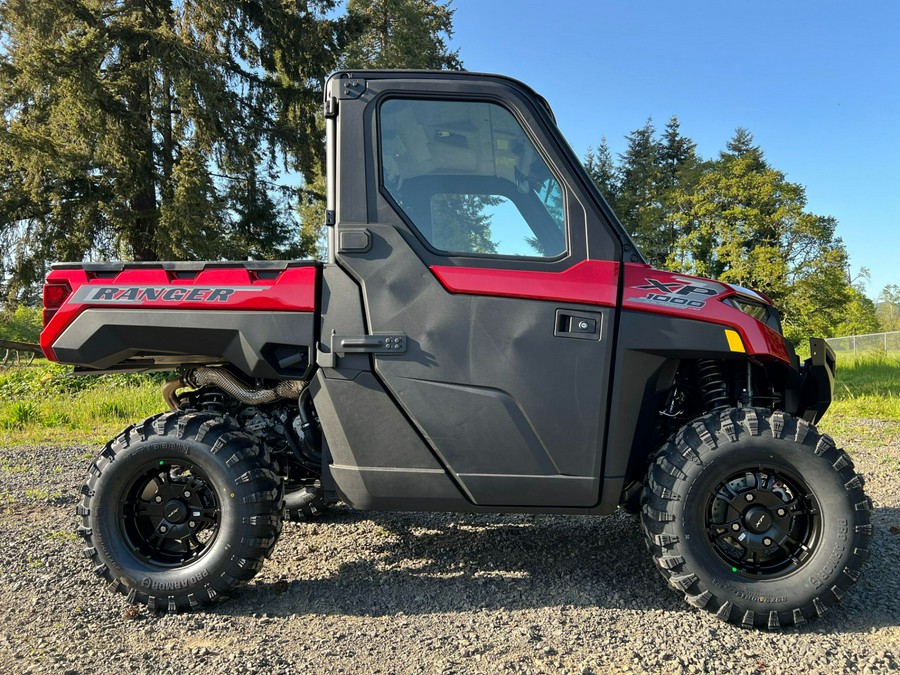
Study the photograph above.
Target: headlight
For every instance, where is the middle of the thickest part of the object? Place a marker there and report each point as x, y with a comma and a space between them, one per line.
757, 311
766, 314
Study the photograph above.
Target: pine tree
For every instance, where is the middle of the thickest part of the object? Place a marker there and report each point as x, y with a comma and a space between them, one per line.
639, 203
680, 169
153, 128
602, 170
383, 34
678, 159
462, 223
401, 34
741, 146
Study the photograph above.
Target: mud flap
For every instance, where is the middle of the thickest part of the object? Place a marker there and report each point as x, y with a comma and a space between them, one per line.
817, 381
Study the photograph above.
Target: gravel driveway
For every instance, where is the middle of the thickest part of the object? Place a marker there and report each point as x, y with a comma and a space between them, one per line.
385, 592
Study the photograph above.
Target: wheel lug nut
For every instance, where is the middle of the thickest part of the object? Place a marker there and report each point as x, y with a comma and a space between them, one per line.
767, 542
187, 495
192, 524
157, 499
163, 529
781, 513
735, 527
749, 497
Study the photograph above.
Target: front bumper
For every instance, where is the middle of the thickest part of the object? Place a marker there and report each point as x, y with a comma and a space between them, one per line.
816, 381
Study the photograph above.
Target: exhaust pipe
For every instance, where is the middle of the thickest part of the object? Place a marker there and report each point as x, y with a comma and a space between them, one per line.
202, 377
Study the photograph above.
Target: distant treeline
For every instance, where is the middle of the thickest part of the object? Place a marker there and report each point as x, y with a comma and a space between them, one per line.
738, 219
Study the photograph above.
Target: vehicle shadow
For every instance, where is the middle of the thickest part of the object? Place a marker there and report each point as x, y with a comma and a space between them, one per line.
427, 563
441, 563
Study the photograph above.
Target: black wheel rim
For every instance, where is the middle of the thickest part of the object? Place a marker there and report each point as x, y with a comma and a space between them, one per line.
170, 514
763, 523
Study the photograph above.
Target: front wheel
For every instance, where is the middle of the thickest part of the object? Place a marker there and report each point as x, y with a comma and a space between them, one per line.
180, 509
756, 517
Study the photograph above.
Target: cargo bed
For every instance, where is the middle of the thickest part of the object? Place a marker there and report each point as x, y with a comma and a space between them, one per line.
257, 316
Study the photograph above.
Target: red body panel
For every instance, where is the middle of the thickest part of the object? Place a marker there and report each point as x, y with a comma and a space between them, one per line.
759, 339
596, 282
590, 282
215, 288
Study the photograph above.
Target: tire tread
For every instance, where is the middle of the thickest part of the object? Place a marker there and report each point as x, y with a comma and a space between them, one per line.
255, 483
665, 488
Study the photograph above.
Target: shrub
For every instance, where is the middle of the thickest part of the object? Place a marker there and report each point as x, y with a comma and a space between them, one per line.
23, 324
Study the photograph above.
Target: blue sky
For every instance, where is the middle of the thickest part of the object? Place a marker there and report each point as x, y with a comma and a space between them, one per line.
817, 83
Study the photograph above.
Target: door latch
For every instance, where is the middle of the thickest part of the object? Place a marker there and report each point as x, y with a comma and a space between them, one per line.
377, 343
580, 325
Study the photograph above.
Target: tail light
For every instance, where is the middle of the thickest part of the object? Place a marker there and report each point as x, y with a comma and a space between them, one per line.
55, 296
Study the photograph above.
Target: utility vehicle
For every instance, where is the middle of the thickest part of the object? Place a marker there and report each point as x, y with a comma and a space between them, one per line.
484, 337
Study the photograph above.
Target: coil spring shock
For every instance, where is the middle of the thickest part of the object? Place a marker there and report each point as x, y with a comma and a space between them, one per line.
712, 385
212, 400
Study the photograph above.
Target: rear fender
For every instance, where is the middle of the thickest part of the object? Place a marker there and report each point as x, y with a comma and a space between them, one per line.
257, 316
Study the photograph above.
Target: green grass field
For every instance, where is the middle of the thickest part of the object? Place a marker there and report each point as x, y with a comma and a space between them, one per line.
868, 386
40, 404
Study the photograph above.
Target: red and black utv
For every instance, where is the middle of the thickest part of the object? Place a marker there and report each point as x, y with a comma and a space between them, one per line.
485, 337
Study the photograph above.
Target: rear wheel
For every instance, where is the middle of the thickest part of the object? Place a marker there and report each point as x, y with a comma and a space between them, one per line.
304, 503
180, 509
756, 517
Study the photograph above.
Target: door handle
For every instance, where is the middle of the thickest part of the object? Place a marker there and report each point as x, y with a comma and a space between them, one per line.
380, 343
579, 325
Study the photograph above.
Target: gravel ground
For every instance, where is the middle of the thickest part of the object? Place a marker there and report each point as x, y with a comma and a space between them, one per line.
384, 592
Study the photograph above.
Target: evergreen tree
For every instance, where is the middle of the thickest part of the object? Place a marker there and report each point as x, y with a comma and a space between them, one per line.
462, 223
640, 201
679, 170
384, 34
311, 210
401, 34
741, 146
149, 129
602, 170
677, 155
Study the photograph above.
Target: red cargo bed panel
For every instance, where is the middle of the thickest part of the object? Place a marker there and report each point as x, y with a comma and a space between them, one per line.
211, 286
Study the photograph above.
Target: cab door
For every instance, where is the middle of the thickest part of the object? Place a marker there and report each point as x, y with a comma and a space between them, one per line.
489, 279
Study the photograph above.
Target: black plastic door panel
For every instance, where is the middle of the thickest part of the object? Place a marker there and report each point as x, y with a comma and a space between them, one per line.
473, 244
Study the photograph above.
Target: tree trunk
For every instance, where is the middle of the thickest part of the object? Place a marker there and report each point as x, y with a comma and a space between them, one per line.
144, 214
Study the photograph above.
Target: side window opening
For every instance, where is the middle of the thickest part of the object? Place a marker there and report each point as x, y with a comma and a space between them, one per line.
470, 180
